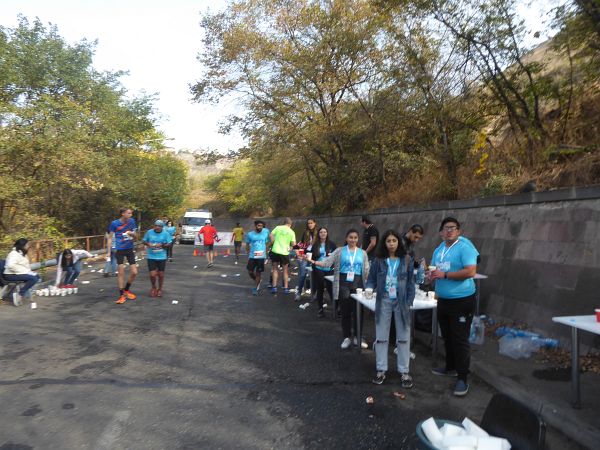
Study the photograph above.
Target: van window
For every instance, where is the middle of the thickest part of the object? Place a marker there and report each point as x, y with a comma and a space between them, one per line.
194, 221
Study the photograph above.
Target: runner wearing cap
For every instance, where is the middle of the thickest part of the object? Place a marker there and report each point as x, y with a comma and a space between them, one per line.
208, 235
157, 241
123, 232
256, 247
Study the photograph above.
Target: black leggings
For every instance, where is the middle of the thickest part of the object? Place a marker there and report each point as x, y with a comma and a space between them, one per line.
320, 285
348, 305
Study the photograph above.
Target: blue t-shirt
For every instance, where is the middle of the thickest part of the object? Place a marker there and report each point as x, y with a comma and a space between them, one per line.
452, 259
152, 237
258, 243
322, 256
171, 230
117, 227
348, 265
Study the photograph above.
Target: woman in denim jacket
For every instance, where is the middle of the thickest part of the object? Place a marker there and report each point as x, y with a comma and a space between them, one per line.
391, 276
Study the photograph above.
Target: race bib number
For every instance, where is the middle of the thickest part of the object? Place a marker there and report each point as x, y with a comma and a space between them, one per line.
259, 254
350, 276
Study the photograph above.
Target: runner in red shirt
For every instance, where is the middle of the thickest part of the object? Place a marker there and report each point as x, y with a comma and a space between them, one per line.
208, 235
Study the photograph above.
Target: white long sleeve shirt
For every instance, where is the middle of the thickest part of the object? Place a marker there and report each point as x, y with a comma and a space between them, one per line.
17, 264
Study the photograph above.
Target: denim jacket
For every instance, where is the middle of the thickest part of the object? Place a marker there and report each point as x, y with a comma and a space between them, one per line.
405, 290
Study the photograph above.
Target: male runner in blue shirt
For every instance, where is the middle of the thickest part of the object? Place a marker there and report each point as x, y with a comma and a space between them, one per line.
123, 231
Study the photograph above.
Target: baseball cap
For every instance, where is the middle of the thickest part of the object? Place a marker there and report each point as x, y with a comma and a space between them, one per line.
159, 223
207, 221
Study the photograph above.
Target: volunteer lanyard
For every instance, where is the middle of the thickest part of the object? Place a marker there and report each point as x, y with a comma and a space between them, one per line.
352, 258
392, 267
446, 250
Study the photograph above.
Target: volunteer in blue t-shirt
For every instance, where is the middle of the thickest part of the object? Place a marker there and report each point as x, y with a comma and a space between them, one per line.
454, 266
256, 247
123, 232
157, 241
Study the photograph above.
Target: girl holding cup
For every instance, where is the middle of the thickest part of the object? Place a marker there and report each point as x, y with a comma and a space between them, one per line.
391, 276
350, 270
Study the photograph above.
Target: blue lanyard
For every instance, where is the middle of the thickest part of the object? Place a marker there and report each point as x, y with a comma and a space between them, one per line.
392, 268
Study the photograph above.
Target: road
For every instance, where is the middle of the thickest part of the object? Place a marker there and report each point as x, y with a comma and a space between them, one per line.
220, 369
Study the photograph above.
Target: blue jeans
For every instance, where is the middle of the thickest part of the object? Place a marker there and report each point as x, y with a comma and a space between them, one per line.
72, 272
302, 274
111, 266
30, 281
382, 332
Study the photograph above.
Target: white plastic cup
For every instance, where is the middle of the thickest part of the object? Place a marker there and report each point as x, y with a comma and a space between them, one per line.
359, 291
33, 305
369, 293
432, 268
75, 290
69, 291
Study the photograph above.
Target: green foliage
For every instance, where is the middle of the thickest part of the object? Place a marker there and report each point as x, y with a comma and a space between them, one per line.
71, 140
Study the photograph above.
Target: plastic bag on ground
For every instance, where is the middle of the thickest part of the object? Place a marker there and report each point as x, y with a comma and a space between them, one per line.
517, 347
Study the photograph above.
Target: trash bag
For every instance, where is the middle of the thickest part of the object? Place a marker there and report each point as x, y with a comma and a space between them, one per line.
517, 347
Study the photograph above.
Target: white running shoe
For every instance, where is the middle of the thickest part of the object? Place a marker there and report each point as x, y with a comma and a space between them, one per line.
346, 343
363, 343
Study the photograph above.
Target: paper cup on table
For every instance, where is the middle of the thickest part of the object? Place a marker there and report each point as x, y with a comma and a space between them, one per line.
359, 291
369, 293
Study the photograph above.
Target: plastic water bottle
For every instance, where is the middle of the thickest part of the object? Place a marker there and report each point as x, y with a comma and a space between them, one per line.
545, 342
421, 271
477, 332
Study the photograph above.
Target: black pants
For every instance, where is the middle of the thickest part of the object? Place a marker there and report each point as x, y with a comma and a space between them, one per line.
348, 305
455, 317
170, 251
320, 284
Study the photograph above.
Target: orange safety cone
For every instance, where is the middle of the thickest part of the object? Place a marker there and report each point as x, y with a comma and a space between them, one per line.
195, 252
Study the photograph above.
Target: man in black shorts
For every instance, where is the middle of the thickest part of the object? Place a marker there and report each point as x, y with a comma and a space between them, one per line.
256, 247
123, 232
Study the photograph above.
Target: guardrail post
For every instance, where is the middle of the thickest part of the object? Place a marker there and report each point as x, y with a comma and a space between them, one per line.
87, 243
37, 251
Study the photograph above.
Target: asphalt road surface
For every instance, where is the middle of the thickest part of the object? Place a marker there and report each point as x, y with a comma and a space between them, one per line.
220, 369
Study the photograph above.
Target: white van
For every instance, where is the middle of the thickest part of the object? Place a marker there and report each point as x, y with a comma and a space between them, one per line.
192, 221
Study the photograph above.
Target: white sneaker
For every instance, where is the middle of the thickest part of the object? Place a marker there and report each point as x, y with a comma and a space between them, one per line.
307, 292
346, 343
363, 343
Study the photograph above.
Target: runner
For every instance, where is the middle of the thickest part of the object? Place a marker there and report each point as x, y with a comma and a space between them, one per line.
256, 247
123, 231
208, 235
158, 240
237, 237
172, 230
282, 238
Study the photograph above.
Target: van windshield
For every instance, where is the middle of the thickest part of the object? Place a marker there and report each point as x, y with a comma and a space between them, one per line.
194, 221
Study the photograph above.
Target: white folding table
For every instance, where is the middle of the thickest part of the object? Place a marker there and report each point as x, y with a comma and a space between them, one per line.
586, 323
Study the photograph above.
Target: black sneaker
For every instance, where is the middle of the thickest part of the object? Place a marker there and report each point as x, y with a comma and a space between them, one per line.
407, 381
379, 377
321, 313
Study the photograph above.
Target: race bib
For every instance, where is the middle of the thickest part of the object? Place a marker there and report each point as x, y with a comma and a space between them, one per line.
350, 276
259, 254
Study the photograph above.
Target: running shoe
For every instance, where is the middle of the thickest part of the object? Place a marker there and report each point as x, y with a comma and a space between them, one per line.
121, 300
273, 290
406, 380
286, 291
321, 313
297, 298
159, 292
443, 372
130, 295
153, 292
379, 377
254, 291
346, 343
17, 299
363, 343
461, 388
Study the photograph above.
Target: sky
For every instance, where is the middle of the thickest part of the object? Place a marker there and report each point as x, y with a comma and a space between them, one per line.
157, 43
